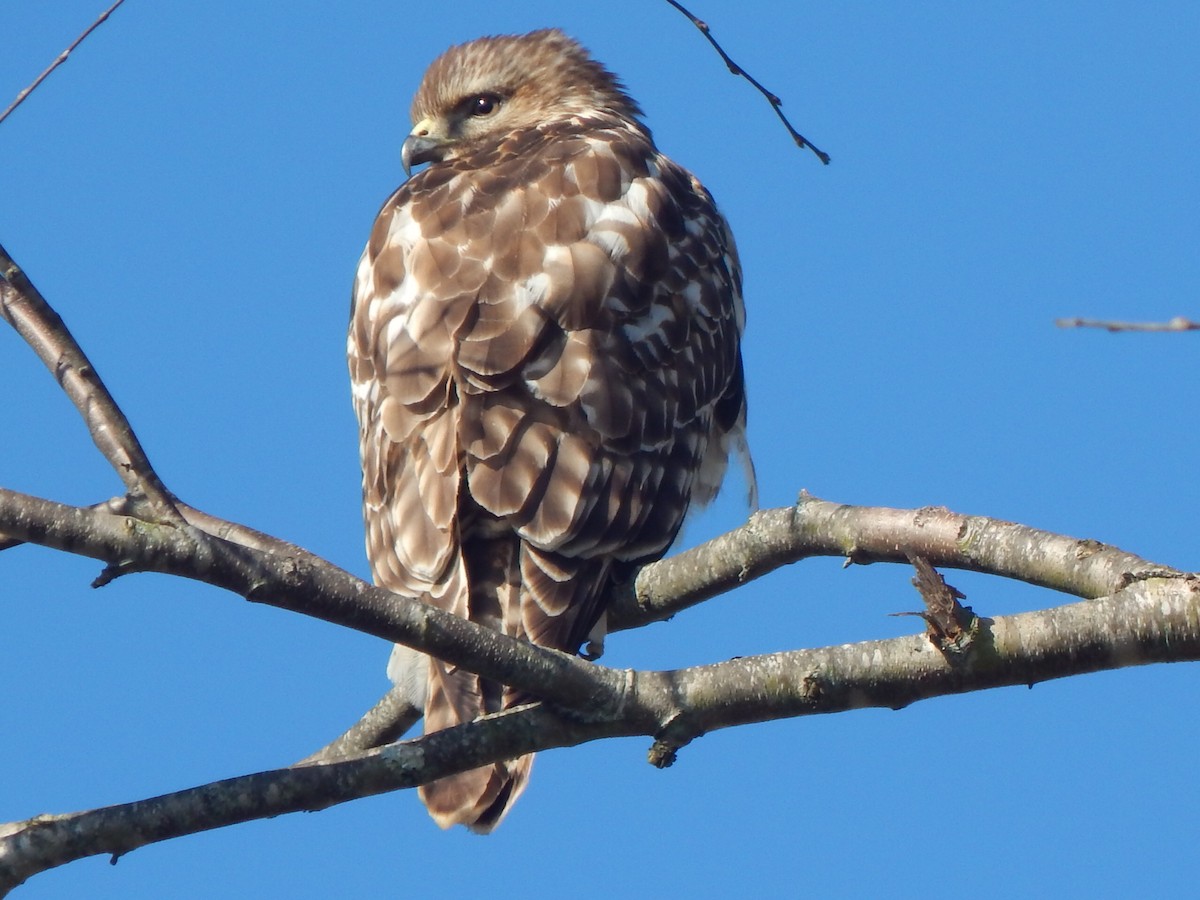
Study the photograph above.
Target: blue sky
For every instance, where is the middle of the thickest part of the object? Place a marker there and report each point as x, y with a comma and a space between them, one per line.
191, 191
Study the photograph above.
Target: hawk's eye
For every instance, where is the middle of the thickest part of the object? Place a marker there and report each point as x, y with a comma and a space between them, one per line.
483, 105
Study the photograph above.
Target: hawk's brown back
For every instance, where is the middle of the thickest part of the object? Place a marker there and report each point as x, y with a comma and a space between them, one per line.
544, 348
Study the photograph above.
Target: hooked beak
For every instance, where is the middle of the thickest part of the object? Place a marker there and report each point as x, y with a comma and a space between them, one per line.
421, 146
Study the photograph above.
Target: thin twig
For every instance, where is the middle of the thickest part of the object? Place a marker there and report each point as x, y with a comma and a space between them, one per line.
383, 723
772, 98
62, 58
1179, 323
24, 307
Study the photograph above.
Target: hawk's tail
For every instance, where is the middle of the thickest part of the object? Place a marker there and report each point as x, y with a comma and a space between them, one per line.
531, 594
479, 798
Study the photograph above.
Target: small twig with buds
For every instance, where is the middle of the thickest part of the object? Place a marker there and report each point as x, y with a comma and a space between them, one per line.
1179, 323
772, 98
62, 58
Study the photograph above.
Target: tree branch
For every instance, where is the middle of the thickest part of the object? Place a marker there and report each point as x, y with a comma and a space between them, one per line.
290, 578
1156, 619
286, 576
43, 842
867, 534
862, 534
59, 60
387, 721
1179, 323
771, 97
23, 307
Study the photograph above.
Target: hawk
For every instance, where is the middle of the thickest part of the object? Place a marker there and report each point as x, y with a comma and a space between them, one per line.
544, 350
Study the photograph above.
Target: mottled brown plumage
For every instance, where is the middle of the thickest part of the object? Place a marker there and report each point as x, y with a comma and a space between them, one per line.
544, 349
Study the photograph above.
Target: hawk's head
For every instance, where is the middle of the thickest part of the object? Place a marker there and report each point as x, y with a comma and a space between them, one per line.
492, 87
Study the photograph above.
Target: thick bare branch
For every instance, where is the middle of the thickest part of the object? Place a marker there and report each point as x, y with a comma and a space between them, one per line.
862, 534
867, 534
23, 307
43, 842
290, 578
772, 538
1150, 620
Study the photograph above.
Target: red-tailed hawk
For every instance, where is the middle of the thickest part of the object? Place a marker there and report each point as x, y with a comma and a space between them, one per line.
544, 349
